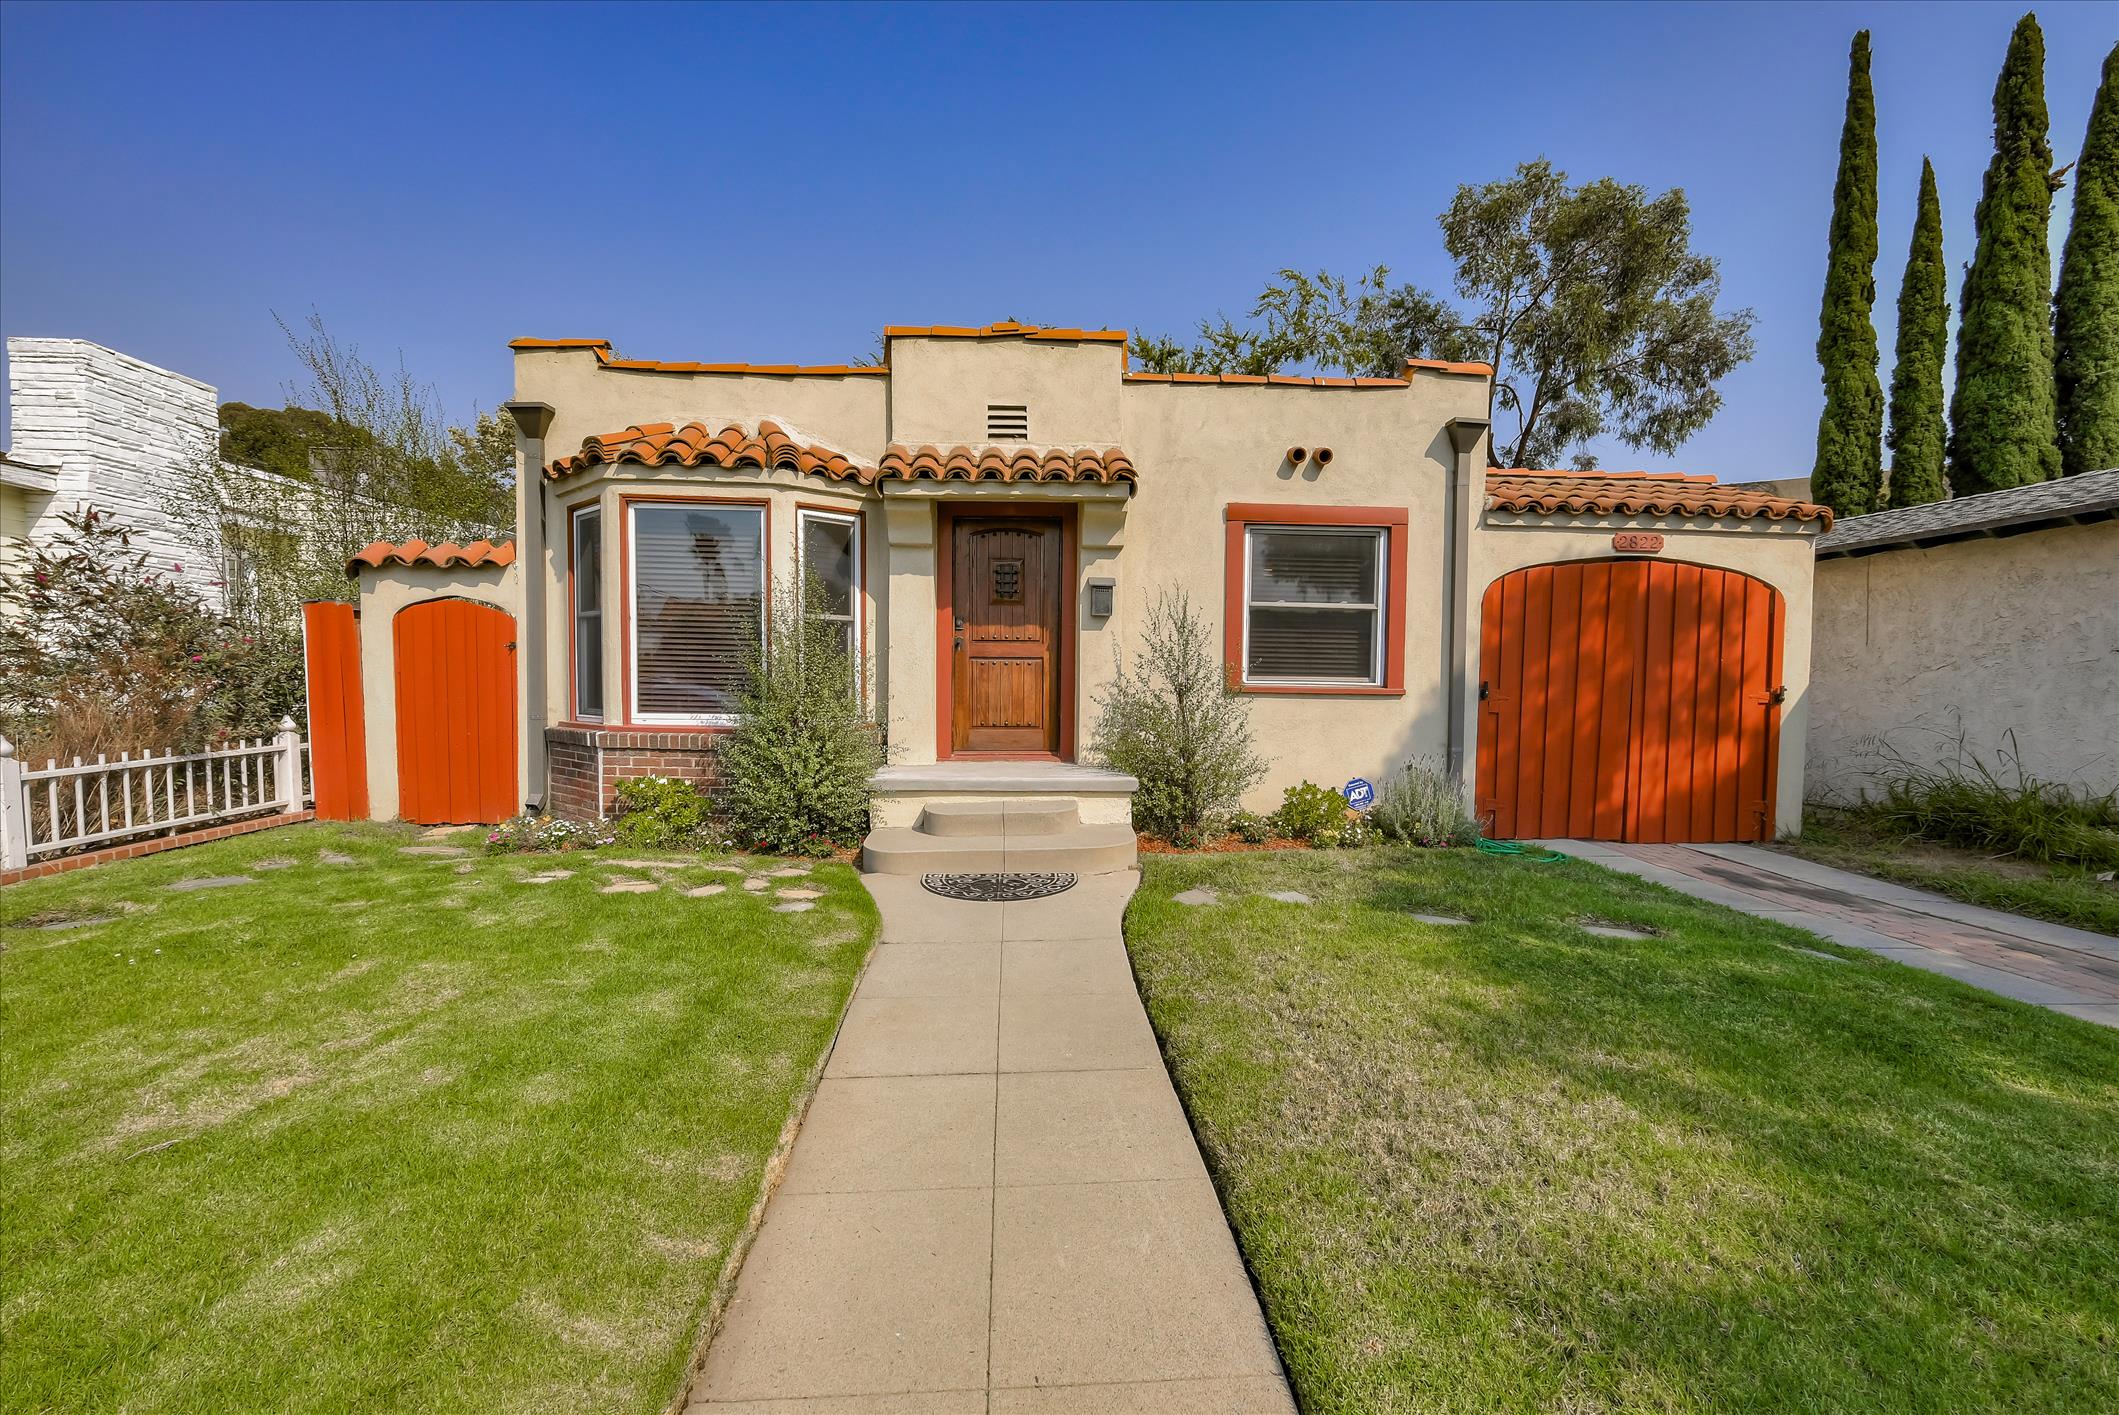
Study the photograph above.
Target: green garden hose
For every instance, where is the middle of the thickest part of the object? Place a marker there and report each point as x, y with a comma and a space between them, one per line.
1517, 847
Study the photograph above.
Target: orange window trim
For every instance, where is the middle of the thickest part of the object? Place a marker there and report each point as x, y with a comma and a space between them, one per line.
1391, 520
625, 584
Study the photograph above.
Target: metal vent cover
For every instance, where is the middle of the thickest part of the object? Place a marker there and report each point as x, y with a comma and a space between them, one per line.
1007, 422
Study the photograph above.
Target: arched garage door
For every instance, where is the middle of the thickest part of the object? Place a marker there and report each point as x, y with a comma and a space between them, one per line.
455, 712
1629, 700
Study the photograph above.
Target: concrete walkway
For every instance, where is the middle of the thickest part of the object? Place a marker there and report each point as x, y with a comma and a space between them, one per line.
2049, 965
994, 1203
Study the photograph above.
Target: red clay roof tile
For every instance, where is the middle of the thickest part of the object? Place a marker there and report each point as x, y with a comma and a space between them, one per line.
1542, 493
1007, 463
655, 444
1277, 380
1005, 329
605, 359
376, 554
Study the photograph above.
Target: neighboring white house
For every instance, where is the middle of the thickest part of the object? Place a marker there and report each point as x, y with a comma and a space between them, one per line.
97, 427
1987, 625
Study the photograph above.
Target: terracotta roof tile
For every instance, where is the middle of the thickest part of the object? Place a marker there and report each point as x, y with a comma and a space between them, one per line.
656, 444
1007, 463
1006, 329
376, 554
605, 359
1445, 366
1536, 493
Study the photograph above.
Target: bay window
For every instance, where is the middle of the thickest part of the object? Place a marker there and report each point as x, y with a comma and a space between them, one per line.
831, 570
585, 581
697, 579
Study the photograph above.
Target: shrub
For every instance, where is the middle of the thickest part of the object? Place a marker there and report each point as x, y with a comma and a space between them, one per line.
663, 813
1250, 827
1422, 804
795, 771
1355, 831
1968, 803
1171, 722
524, 834
101, 651
1315, 815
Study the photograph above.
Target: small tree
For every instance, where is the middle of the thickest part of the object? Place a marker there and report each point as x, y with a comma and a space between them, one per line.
2086, 307
1848, 472
1917, 432
2002, 432
795, 773
1172, 722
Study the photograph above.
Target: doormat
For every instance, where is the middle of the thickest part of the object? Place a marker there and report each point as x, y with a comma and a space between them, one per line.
997, 888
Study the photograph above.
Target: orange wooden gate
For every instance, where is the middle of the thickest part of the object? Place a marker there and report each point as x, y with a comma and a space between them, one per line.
1629, 700
455, 712
338, 742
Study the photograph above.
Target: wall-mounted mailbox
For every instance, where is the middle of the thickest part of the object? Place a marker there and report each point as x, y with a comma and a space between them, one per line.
1102, 594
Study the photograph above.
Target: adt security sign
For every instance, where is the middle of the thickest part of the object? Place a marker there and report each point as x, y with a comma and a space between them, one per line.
1359, 794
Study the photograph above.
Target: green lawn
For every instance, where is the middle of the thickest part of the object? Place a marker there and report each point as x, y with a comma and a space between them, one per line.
2065, 894
1520, 1166
389, 1134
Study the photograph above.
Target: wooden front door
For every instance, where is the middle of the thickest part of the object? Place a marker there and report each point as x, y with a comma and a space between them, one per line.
1005, 602
1629, 700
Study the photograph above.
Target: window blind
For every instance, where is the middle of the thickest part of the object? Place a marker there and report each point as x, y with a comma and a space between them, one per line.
698, 597
1314, 604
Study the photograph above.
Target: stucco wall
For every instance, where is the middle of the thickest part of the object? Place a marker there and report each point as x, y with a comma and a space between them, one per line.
1980, 639
382, 594
940, 389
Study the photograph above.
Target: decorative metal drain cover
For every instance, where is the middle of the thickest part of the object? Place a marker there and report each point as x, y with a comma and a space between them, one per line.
996, 888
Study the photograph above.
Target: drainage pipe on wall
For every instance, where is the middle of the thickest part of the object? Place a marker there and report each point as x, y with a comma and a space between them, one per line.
532, 422
1467, 437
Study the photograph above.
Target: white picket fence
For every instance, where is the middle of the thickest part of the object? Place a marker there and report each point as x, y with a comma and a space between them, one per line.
56, 810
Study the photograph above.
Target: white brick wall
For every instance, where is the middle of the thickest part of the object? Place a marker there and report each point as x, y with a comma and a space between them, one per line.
119, 430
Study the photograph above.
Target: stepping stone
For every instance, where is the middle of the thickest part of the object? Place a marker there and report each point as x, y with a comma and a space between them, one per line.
211, 882
332, 857
798, 907
464, 868
630, 886
1289, 896
648, 864
801, 894
1441, 920
755, 885
1197, 897
81, 923
705, 891
1614, 931
439, 832
278, 863
721, 869
445, 851
548, 877
788, 872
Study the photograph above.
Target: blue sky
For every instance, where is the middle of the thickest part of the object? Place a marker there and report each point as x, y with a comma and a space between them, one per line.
776, 184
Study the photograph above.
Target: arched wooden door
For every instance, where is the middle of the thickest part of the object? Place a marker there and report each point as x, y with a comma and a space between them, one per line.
455, 713
1629, 700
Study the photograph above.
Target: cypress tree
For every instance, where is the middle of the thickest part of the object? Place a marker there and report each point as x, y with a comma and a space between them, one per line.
1848, 471
2086, 309
2002, 432
1917, 434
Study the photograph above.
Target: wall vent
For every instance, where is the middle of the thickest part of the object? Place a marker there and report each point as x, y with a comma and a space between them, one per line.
1007, 422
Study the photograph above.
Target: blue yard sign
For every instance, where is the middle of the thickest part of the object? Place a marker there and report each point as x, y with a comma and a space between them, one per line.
1359, 794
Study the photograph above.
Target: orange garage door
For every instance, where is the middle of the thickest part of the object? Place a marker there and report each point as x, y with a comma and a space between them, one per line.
455, 713
1629, 700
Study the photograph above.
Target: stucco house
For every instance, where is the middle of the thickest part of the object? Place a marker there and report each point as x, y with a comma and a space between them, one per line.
994, 508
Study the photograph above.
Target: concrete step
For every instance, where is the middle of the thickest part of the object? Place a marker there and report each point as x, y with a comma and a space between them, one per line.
1081, 849
1021, 817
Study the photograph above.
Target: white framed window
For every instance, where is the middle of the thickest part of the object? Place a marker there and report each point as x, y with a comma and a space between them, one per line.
585, 581
1314, 605
695, 602
830, 544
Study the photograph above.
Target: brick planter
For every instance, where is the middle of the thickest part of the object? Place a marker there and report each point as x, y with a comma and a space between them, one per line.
585, 764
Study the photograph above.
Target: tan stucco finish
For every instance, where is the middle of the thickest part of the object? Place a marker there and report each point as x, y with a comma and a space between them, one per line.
2010, 645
